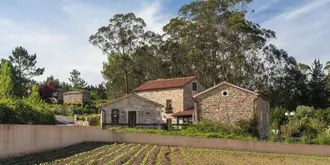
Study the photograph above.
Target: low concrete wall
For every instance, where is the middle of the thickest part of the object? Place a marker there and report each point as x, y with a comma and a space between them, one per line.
23, 139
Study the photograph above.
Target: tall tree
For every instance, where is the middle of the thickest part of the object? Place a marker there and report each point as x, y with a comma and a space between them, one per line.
317, 85
24, 66
327, 68
6, 87
76, 80
219, 42
119, 40
54, 81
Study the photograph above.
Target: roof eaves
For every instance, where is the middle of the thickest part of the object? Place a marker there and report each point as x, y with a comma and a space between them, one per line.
133, 94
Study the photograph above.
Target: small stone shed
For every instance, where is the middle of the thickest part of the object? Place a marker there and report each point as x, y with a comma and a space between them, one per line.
227, 103
132, 111
76, 97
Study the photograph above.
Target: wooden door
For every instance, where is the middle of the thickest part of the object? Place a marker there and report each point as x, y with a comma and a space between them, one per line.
131, 118
168, 121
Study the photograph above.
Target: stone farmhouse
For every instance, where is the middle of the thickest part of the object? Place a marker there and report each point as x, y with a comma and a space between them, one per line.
176, 95
133, 111
181, 100
227, 103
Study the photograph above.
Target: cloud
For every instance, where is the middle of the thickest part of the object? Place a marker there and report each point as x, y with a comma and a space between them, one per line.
265, 6
304, 31
153, 17
65, 46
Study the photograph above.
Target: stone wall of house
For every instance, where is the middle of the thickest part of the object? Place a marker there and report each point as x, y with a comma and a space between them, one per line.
74, 97
237, 105
160, 96
146, 112
188, 100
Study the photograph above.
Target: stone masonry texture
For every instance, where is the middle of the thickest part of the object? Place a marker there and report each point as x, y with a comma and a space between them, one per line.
146, 112
237, 105
74, 97
182, 98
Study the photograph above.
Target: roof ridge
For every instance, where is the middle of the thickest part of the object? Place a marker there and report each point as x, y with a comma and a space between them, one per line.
160, 79
165, 83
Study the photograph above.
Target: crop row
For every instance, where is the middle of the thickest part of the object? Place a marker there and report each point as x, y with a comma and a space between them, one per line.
144, 154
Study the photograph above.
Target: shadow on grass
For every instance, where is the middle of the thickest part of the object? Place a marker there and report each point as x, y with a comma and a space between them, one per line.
51, 155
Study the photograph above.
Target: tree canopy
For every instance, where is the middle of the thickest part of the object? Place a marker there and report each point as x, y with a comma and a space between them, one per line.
76, 80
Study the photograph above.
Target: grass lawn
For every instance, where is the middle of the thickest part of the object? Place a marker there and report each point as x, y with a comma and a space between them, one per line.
128, 153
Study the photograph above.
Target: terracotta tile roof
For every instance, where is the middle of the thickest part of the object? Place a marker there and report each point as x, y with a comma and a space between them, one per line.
184, 113
165, 83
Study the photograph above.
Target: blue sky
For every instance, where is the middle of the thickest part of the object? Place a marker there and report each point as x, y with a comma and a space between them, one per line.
58, 30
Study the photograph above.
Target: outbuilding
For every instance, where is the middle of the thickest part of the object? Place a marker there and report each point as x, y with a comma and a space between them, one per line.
227, 103
132, 111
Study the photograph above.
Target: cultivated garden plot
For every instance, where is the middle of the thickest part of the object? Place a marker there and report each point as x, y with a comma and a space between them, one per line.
146, 154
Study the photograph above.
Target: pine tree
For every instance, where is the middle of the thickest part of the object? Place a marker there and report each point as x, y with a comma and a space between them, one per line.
76, 80
317, 85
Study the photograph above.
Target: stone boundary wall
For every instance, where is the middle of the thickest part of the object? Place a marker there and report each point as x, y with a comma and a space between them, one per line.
16, 140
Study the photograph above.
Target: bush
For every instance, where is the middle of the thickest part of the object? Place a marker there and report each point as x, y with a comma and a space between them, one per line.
94, 121
277, 116
304, 111
247, 127
202, 130
15, 111
322, 139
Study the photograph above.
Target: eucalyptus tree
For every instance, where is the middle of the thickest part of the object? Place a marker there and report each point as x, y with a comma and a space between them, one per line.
120, 39
220, 43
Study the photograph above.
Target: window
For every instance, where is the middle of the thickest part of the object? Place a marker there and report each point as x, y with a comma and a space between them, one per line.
194, 86
224, 93
115, 116
168, 108
184, 120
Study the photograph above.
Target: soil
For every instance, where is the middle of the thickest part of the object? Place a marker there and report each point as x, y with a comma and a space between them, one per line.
153, 156
96, 155
86, 154
195, 156
177, 157
165, 158
51, 155
117, 152
128, 155
138, 160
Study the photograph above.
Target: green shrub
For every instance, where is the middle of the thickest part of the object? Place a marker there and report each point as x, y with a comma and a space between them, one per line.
247, 127
322, 139
304, 111
14, 111
277, 116
202, 130
94, 121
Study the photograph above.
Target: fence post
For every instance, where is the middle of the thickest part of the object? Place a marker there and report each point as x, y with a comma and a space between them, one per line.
75, 119
102, 118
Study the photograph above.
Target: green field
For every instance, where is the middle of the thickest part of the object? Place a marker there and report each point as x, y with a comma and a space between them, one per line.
128, 153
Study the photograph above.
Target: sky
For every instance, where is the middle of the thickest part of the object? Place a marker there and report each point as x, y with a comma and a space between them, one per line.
58, 30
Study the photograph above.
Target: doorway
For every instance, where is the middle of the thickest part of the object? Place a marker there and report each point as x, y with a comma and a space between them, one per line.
131, 118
